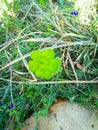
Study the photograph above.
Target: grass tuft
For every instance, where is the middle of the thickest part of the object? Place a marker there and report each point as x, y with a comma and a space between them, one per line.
40, 24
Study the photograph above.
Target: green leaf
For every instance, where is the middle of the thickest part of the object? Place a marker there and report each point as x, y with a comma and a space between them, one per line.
61, 2
42, 3
7, 4
44, 64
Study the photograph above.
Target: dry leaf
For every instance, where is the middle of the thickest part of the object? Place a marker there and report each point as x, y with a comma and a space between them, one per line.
62, 22
78, 65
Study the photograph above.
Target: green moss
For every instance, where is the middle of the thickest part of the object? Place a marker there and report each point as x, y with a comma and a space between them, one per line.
44, 64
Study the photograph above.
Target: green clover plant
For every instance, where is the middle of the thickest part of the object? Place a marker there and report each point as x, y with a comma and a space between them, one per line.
44, 63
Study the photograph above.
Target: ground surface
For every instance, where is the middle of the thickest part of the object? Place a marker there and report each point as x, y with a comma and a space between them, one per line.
64, 116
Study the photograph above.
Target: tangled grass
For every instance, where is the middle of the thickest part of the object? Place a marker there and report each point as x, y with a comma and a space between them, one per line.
33, 25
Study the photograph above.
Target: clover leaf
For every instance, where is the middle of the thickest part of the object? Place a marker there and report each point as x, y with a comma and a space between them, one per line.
44, 63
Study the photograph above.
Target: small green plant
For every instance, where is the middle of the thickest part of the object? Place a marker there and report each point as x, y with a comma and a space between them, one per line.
44, 63
42, 3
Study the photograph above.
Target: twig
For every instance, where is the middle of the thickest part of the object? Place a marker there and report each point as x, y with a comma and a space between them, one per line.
12, 100
65, 82
30, 81
26, 64
10, 82
71, 62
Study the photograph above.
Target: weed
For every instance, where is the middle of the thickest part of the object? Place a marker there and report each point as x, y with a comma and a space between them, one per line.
41, 25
